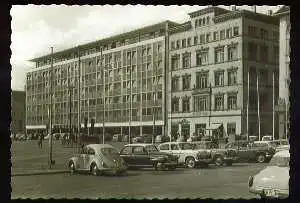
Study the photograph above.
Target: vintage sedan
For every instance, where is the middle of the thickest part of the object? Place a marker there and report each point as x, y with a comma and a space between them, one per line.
144, 155
273, 181
186, 154
249, 151
98, 159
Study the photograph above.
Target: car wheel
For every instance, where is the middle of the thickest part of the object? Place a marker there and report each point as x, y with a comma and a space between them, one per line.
218, 161
190, 162
72, 167
94, 170
261, 158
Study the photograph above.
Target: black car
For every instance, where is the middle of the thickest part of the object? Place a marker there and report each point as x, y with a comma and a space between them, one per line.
147, 156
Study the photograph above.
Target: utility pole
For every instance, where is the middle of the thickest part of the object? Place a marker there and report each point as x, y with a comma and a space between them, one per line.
273, 131
79, 101
50, 112
103, 80
258, 109
209, 116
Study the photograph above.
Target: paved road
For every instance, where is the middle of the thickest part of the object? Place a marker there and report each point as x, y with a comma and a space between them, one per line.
225, 182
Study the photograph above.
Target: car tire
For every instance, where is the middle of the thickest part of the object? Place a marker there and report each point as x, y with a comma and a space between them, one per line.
261, 158
72, 167
218, 160
190, 162
94, 170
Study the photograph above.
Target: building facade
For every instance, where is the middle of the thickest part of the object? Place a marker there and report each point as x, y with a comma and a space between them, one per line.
210, 59
18, 112
284, 70
119, 82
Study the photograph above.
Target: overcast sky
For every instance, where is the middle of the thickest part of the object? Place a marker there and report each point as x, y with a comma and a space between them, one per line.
36, 28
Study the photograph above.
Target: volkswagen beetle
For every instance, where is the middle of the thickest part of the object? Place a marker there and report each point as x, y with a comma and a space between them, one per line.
273, 181
98, 159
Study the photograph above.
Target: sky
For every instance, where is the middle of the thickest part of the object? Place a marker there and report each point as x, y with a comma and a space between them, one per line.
35, 28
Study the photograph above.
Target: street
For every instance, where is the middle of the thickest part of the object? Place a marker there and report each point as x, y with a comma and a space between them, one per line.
212, 182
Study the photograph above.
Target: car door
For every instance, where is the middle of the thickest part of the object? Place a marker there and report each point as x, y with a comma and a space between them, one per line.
126, 154
244, 152
89, 157
81, 157
165, 148
140, 156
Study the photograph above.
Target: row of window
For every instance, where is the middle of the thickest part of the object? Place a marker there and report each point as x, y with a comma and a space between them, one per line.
262, 33
205, 38
201, 103
202, 21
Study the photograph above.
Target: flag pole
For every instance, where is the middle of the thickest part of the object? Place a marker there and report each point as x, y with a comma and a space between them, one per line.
273, 107
248, 106
258, 109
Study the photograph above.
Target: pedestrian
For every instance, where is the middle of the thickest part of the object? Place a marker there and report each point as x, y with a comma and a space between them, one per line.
39, 140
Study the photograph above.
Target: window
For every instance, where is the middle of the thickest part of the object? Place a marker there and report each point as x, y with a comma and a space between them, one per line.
174, 147
252, 31
183, 43
229, 33
219, 102
202, 57
263, 34
232, 77
175, 104
186, 60
175, 83
216, 36
276, 54
189, 41
275, 36
201, 80
172, 45
175, 62
196, 23
232, 53
264, 53
222, 34
185, 146
219, 78
164, 147
231, 128
202, 39
195, 40
178, 44
138, 150
186, 82
207, 19
186, 105
219, 54
252, 51
203, 21
200, 103
235, 31
207, 37
200, 22
231, 101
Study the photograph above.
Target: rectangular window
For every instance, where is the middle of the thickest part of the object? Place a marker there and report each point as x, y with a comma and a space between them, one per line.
263, 34
219, 102
177, 44
202, 57
264, 53
195, 40
252, 31
252, 51
175, 104
175, 83
202, 39
175, 62
231, 128
186, 105
201, 80
186, 82
232, 53
231, 101
183, 43
189, 42
222, 34
219, 54
276, 54
207, 37
235, 31
219, 78
232, 77
275, 36
200, 103
215, 37
173, 45
229, 33
186, 60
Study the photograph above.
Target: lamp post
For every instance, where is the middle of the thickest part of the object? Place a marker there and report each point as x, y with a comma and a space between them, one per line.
70, 88
50, 112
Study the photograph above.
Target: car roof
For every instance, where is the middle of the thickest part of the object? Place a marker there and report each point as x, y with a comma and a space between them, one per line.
283, 153
139, 144
99, 146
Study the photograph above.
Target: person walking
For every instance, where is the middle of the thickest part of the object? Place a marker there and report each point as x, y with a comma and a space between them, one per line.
39, 140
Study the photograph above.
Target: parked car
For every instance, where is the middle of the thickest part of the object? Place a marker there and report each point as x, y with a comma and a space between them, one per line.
138, 139
273, 181
219, 156
267, 138
161, 139
97, 159
253, 138
194, 139
281, 144
185, 153
125, 138
249, 151
147, 155
180, 139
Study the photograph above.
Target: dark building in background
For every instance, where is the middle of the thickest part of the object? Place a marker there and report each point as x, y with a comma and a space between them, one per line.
18, 112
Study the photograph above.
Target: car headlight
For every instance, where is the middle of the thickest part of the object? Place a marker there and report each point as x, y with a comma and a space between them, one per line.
250, 182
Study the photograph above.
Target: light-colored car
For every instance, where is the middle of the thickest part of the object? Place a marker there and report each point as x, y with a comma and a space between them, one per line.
267, 138
273, 181
98, 159
185, 153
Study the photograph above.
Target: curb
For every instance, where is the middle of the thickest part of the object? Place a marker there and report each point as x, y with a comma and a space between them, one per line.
40, 173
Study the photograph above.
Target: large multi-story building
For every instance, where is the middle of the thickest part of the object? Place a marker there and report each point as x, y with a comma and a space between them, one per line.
186, 77
284, 70
119, 77
17, 112
210, 59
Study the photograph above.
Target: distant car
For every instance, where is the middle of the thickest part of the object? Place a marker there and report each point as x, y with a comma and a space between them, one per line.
117, 138
253, 138
267, 138
249, 151
219, 156
143, 155
97, 159
186, 154
125, 138
273, 181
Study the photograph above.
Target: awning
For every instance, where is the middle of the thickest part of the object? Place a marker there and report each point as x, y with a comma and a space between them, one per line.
35, 126
213, 126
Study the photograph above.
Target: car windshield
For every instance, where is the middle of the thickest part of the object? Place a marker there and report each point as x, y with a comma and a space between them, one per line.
280, 161
109, 151
151, 148
185, 146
